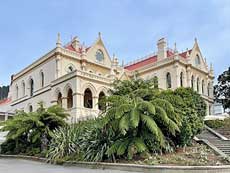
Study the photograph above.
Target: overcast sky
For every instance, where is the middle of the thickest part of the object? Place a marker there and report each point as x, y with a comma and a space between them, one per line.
130, 28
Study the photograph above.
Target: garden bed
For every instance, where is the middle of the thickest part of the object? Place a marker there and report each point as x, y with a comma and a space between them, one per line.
195, 155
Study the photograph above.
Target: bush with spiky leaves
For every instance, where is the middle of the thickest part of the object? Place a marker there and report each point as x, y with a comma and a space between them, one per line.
139, 123
33, 129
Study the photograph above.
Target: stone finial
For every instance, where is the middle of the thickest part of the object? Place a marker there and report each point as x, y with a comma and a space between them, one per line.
123, 63
99, 35
195, 40
211, 68
58, 43
175, 48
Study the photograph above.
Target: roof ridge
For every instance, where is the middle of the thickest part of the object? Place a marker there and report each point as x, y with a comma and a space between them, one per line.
140, 59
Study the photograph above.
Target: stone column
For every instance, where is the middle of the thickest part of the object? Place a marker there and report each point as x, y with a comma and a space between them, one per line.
189, 77
58, 67
176, 78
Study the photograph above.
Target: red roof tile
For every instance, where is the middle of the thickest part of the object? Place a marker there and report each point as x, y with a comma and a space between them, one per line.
5, 101
152, 59
183, 54
142, 63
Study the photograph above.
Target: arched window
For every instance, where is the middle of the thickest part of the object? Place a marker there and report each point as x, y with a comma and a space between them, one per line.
23, 89
192, 82
70, 98
181, 79
208, 87
101, 104
42, 79
198, 85
30, 108
155, 82
16, 91
202, 87
88, 99
197, 60
59, 99
168, 80
31, 87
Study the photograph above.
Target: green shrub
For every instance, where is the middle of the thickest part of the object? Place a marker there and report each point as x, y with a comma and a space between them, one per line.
190, 106
218, 123
30, 133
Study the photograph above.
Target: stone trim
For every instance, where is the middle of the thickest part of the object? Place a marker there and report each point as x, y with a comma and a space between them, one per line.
133, 167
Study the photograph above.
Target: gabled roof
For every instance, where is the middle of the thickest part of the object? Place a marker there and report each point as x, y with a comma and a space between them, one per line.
152, 59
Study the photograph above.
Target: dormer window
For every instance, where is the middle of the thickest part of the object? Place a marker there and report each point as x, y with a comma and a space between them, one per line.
99, 56
197, 60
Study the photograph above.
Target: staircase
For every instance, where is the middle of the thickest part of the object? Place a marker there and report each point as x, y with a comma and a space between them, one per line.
216, 141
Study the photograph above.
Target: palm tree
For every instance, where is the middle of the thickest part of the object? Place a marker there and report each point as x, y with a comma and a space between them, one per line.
139, 122
34, 127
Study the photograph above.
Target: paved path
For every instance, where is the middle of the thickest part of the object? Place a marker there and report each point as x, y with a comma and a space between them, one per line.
25, 166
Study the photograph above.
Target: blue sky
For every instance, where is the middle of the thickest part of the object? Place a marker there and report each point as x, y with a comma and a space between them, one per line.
130, 28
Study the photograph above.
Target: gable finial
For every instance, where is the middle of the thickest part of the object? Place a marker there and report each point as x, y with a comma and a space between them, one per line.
195, 40
123, 63
175, 48
58, 43
99, 35
211, 69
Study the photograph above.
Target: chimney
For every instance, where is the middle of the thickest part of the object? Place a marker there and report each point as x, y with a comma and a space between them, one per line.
76, 43
161, 49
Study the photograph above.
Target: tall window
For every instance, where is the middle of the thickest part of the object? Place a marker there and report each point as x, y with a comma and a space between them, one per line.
192, 82
181, 79
31, 87
88, 99
155, 82
16, 90
23, 88
101, 104
59, 99
30, 108
168, 80
208, 87
198, 85
70, 98
202, 88
42, 79
197, 60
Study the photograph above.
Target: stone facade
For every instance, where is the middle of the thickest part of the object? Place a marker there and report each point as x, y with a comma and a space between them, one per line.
76, 76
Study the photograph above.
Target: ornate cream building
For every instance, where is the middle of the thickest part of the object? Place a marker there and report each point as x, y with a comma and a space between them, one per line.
77, 77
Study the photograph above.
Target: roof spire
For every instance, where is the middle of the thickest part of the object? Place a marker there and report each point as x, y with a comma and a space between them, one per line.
195, 40
211, 69
175, 48
58, 43
99, 35
123, 63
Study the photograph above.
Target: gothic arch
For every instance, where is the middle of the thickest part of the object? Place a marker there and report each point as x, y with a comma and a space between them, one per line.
102, 89
66, 88
91, 87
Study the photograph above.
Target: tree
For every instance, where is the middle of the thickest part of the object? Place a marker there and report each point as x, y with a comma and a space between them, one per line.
33, 129
191, 108
222, 89
141, 121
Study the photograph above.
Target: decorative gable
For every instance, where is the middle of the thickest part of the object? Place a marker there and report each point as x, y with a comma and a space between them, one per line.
97, 53
196, 58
